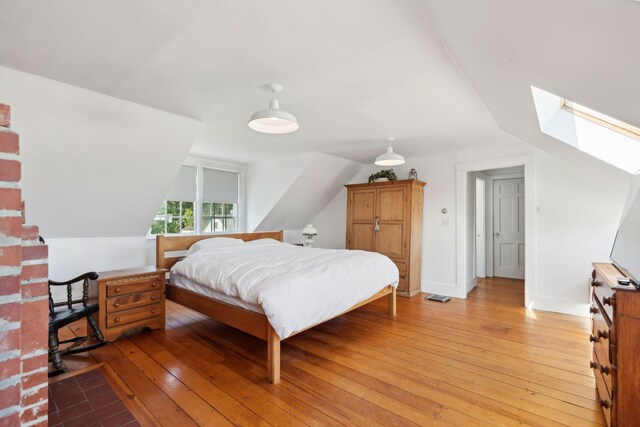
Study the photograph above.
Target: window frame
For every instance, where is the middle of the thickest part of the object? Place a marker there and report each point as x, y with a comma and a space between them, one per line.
601, 119
200, 164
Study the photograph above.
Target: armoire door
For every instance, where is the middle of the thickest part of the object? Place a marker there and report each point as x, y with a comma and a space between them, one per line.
389, 218
362, 219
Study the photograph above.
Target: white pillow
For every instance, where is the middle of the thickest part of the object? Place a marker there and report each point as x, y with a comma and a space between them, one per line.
264, 242
214, 242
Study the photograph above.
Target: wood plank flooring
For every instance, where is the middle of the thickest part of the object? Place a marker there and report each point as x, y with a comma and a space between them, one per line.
481, 361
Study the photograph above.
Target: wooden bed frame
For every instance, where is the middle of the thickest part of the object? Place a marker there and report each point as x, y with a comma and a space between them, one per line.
248, 321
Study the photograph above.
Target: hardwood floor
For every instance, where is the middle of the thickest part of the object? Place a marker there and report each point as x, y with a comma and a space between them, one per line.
481, 361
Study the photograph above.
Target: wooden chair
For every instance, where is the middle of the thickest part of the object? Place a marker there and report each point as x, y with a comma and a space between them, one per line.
73, 310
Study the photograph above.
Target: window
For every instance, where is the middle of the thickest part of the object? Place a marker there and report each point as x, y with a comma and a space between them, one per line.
215, 191
218, 217
174, 217
601, 136
219, 201
601, 119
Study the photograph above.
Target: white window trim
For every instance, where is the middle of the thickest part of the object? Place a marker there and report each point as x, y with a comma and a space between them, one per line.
199, 163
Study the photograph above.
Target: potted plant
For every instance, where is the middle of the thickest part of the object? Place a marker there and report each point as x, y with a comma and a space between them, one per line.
383, 175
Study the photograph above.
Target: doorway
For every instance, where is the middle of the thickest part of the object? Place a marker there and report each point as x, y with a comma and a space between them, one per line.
517, 252
481, 260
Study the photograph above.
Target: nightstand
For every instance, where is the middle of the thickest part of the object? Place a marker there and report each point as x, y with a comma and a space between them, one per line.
130, 298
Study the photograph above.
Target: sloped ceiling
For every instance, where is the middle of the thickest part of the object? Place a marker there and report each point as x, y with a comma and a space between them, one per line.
93, 166
313, 188
582, 50
354, 72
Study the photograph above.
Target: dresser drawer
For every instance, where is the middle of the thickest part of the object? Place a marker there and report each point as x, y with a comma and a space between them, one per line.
134, 285
604, 295
600, 336
403, 286
133, 315
402, 268
126, 302
606, 402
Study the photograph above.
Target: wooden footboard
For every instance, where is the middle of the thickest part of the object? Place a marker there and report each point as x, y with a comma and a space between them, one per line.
248, 321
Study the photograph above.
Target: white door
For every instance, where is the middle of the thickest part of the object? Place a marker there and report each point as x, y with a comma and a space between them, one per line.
480, 239
508, 228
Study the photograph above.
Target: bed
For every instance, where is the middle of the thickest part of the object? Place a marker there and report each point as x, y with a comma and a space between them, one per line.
271, 311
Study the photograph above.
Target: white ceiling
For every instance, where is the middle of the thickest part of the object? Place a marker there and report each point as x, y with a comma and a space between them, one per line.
582, 50
438, 75
354, 72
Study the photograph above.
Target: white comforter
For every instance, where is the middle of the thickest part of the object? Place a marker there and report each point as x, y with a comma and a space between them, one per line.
296, 287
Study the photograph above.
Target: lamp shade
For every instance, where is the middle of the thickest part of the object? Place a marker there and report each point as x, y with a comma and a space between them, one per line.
273, 120
389, 158
309, 230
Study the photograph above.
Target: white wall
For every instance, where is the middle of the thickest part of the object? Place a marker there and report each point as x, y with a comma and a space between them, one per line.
93, 165
578, 214
70, 257
288, 193
266, 184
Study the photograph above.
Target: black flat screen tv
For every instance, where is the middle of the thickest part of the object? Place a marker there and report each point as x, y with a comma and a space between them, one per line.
625, 253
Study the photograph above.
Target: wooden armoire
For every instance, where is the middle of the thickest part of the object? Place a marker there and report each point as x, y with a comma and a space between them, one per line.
386, 217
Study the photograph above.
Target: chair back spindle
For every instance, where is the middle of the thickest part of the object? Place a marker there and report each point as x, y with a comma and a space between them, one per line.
69, 296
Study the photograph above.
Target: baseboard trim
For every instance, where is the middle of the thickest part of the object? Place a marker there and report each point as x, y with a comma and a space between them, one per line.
442, 289
561, 306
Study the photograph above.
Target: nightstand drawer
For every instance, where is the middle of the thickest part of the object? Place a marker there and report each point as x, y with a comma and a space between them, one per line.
133, 315
134, 284
126, 302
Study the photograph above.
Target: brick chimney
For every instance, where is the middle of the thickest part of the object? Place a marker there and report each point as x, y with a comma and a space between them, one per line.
24, 311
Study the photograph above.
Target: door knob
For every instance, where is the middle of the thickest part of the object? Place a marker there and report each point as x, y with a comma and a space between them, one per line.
497, 235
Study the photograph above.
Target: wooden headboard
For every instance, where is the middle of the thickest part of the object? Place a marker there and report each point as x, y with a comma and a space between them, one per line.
182, 243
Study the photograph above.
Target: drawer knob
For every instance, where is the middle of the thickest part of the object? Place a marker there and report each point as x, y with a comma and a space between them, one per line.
605, 369
153, 311
605, 403
153, 297
593, 365
603, 334
609, 301
117, 290
594, 310
117, 319
154, 284
116, 304
593, 339
596, 283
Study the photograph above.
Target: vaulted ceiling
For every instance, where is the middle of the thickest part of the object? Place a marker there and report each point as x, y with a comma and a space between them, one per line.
354, 72
438, 75
582, 50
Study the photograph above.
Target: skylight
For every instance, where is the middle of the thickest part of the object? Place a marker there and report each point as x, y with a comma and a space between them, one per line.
601, 119
601, 136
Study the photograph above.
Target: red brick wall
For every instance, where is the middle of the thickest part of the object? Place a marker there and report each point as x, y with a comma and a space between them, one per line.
23, 297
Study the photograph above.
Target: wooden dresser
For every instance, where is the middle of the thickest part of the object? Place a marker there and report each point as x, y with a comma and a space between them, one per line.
130, 298
615, 334
386, 217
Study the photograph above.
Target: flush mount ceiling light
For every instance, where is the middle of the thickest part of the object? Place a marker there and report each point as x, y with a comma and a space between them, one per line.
389, 158
273, 120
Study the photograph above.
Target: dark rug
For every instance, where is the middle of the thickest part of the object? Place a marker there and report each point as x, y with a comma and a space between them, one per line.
87, 400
